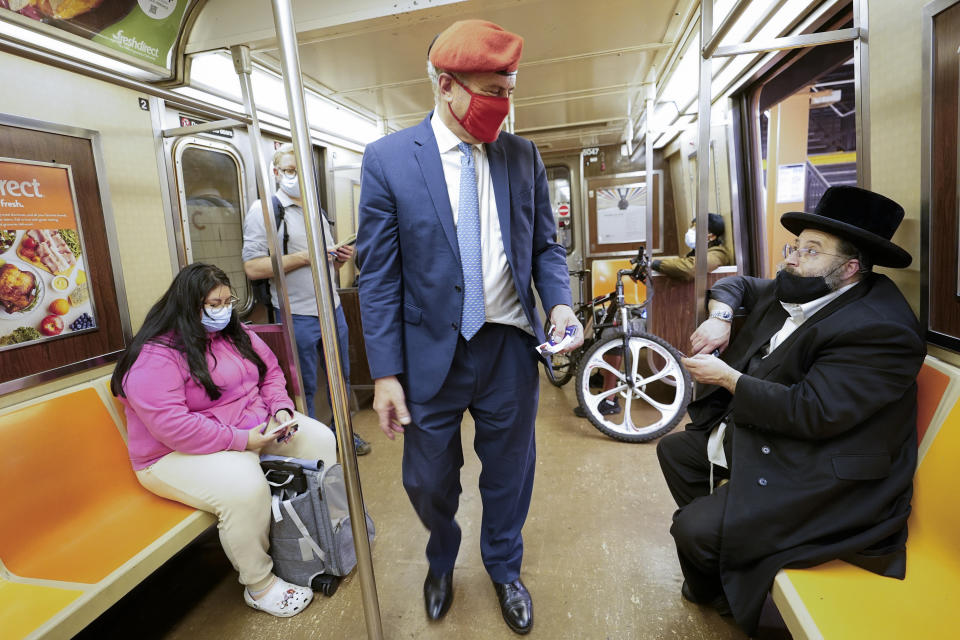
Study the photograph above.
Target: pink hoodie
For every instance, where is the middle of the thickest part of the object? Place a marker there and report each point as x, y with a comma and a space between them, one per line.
167, 411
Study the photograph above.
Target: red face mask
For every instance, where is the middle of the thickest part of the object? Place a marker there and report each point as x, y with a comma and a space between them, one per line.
484, 115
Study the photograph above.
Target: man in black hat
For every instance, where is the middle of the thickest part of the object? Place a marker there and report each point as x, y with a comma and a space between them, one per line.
717, 254
802, 448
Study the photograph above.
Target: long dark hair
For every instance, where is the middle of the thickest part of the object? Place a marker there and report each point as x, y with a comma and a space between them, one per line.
174, 321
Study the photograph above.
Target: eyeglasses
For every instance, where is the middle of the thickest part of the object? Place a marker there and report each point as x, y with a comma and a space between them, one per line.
288, 172
806, 252
231, 301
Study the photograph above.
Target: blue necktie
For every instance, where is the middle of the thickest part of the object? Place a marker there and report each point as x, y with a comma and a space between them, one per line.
468, 237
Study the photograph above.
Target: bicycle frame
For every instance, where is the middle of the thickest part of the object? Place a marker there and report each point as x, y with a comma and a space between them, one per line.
611, 310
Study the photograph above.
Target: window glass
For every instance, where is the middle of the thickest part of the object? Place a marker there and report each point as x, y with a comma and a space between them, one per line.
213, 217
558, 179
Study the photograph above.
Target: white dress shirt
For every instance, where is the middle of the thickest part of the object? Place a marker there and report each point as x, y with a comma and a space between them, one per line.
798, 314
500, 300
303, 298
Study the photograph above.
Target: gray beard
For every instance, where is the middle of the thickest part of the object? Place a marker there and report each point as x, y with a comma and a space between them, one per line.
833, 280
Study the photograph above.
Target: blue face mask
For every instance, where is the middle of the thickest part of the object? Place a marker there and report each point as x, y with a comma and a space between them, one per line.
216, 320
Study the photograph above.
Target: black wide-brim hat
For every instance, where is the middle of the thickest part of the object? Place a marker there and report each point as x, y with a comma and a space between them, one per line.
866, 219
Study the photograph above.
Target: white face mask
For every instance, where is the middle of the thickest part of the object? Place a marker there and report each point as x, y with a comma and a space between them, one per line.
216, 319
690, 238
290, 185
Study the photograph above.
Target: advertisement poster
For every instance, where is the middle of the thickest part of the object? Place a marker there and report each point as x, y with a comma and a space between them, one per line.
622, 214
44, 292
143, 29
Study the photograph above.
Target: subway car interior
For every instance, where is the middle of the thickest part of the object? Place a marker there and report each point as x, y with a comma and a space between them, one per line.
138, 137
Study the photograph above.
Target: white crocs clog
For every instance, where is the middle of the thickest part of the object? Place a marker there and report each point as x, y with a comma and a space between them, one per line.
282, 599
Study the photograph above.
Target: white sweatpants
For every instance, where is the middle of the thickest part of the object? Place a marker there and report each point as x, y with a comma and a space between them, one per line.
231, 485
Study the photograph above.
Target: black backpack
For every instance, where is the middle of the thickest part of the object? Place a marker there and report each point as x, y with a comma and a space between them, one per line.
261, 288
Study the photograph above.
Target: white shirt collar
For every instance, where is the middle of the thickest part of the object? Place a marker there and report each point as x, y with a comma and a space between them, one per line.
446, 140
284, 199
799, 312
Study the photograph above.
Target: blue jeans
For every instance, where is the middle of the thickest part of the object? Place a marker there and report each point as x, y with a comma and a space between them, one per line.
309, 350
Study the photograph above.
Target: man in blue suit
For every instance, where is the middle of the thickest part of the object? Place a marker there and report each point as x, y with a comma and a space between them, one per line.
456, 226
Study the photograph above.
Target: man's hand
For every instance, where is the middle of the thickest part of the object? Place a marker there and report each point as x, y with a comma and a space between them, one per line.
712, 335
342, 255
712, 370
561, 317
390, 404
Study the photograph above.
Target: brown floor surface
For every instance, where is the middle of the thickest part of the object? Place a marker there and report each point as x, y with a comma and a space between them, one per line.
599, 560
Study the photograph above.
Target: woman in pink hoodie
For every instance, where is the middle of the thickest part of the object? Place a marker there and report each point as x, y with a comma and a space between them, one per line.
199, 388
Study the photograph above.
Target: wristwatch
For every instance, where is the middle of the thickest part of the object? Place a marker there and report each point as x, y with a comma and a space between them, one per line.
726, 316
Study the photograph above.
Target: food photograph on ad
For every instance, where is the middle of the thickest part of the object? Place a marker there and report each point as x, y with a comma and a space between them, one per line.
44, 292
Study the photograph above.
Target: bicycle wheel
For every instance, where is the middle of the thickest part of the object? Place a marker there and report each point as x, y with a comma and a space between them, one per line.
564, 365
659, 395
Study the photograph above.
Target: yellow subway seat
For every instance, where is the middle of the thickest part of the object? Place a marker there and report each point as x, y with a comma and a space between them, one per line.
844, 601
25, 607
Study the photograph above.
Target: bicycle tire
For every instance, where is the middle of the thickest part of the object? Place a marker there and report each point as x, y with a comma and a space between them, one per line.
564, 365
672, 413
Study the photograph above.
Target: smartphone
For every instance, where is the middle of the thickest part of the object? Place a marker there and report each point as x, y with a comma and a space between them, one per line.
281, 428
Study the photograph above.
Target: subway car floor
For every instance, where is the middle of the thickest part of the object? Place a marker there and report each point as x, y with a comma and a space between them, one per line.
599, 560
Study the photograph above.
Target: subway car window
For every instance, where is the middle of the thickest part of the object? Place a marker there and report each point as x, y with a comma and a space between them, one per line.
807, 127
558, 178
211, 209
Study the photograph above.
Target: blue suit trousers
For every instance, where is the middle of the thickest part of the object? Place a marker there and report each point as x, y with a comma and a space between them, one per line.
495, 376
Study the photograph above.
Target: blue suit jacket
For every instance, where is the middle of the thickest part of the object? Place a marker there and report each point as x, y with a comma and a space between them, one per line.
411, 281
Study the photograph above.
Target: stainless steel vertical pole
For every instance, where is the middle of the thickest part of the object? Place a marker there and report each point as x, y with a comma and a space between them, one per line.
648, 168
861, 74
703, 158
243, 65
322, 282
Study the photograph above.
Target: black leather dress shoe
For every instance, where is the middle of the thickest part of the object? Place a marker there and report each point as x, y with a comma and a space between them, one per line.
719, 603
437, 594
515, 605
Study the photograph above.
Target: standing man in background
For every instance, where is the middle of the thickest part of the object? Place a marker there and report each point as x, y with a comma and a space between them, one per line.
455, 226
292, 233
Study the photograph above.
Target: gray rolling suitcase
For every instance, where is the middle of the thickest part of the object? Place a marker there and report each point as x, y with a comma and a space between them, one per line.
311, 541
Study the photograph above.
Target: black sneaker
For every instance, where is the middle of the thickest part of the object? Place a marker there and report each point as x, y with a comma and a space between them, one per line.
606, 407
361, 446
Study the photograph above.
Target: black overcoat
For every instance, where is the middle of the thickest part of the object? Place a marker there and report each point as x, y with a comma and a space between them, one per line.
824, 438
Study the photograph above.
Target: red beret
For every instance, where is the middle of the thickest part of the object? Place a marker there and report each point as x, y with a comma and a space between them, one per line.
471, 46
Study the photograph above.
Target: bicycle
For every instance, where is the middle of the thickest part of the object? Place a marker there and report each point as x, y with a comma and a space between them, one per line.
641, 368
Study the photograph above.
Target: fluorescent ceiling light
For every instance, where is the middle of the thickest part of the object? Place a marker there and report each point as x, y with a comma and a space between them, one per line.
682, 87
215, 72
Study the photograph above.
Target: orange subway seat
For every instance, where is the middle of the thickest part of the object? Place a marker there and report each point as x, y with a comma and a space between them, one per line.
931, 385
72, 507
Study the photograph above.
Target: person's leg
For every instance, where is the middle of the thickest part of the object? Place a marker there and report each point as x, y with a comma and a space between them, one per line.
697, 531
343, 344
432, 458
312, 441
361, 446
343, 341
307, 332
683, 460
504, 409
230, 485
